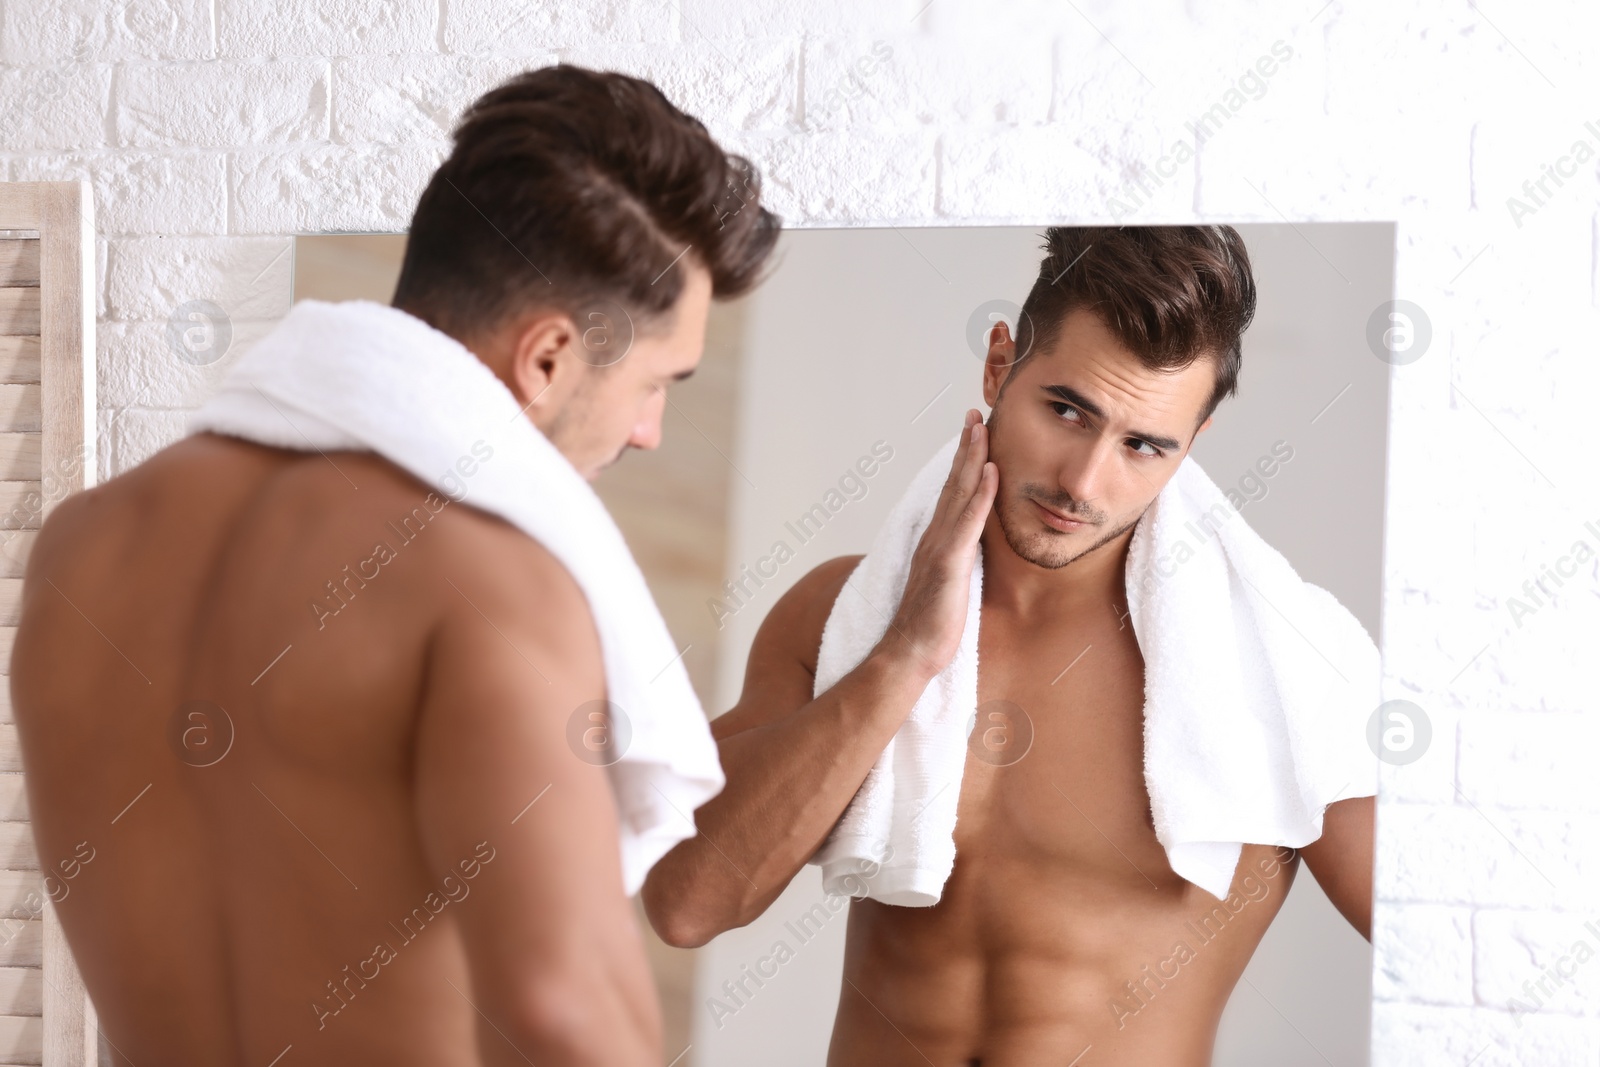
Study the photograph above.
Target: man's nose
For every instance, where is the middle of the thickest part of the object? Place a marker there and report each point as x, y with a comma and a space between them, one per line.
1081, 476
646, 432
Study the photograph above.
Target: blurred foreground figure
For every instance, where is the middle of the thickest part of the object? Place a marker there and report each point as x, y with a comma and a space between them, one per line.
306, 688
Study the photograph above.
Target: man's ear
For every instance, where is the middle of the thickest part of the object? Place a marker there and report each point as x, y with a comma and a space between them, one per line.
997, 362
543, 367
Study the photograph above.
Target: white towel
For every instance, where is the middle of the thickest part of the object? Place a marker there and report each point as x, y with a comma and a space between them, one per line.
1258, 688
362, 375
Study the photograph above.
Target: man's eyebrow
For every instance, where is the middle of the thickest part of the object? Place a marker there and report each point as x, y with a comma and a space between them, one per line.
1078, 400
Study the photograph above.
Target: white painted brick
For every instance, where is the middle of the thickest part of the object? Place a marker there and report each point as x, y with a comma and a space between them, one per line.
1545, 270
1449, 657
1541, 666
1431, 778
1307, 168
140, 368
1097, 85
54, 107
1422, 952
1087, 174
720, 19
101, 253
405, 99
140, 433
221, 103
261, 28
329, 188
894, 81
1016, 19
480, 26
1393, 66
105, 443
1546, 963
1414, 1035
1272, 70
47, 31
143, 192
1514, 159
843, 178
1479, 855
732, 85
249, 277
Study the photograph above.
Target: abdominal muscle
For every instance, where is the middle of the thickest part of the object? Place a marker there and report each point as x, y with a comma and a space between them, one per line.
1025, 961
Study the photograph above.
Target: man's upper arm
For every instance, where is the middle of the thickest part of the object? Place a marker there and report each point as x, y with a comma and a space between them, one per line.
1341, 860
782, 668
514, 654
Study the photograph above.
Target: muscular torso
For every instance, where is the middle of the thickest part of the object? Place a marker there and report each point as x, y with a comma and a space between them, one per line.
1062, 936
237, 884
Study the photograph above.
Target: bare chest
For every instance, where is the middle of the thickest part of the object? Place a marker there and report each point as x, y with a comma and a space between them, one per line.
1054, 774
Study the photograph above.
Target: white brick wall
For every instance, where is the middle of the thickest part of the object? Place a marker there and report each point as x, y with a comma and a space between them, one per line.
212, 129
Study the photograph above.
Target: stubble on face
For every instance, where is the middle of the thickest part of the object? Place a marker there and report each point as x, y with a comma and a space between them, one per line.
1029, 536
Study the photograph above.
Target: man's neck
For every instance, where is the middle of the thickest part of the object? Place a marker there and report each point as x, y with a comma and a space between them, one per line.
1092, 583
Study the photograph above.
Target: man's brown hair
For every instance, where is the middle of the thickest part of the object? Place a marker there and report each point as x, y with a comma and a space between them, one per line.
569, 188
1171, 295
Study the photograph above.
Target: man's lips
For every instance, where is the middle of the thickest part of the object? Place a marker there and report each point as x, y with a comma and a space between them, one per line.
1061, 520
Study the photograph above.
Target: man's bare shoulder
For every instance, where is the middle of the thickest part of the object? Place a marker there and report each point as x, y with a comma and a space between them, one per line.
783, 657
796, 620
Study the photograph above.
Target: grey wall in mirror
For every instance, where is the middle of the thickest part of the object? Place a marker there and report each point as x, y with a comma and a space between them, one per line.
862, 336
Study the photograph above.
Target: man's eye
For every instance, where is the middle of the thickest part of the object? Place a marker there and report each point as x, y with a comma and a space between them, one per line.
1063, 404
1154, 451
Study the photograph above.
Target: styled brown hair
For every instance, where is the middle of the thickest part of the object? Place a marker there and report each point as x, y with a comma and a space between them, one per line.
1171, 294
568, 188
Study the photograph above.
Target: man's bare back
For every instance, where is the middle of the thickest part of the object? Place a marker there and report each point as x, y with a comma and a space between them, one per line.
300, 760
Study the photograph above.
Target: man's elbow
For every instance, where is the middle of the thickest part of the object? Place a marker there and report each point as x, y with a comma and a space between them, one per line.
686, 913
672, 915
563, 1022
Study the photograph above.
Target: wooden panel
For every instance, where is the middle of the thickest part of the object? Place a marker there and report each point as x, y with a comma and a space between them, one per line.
61, 311
66, 361
19, 452
20, 510
20, 311
19, 261
72, 1038
13, 802
11, 592
5, 699
19, 359
21, 1039
8, 637
22, 944
10, 760
21, 991
20, 205
20, 890
15, 545
16, 847
21, 896
21, 408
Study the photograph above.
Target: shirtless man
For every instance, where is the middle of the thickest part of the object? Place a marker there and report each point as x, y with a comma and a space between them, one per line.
1054, 940
313, 840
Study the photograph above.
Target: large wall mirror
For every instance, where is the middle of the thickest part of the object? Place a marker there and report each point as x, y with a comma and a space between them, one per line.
874, 335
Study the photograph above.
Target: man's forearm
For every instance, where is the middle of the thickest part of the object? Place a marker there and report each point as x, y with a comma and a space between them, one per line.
787, 784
